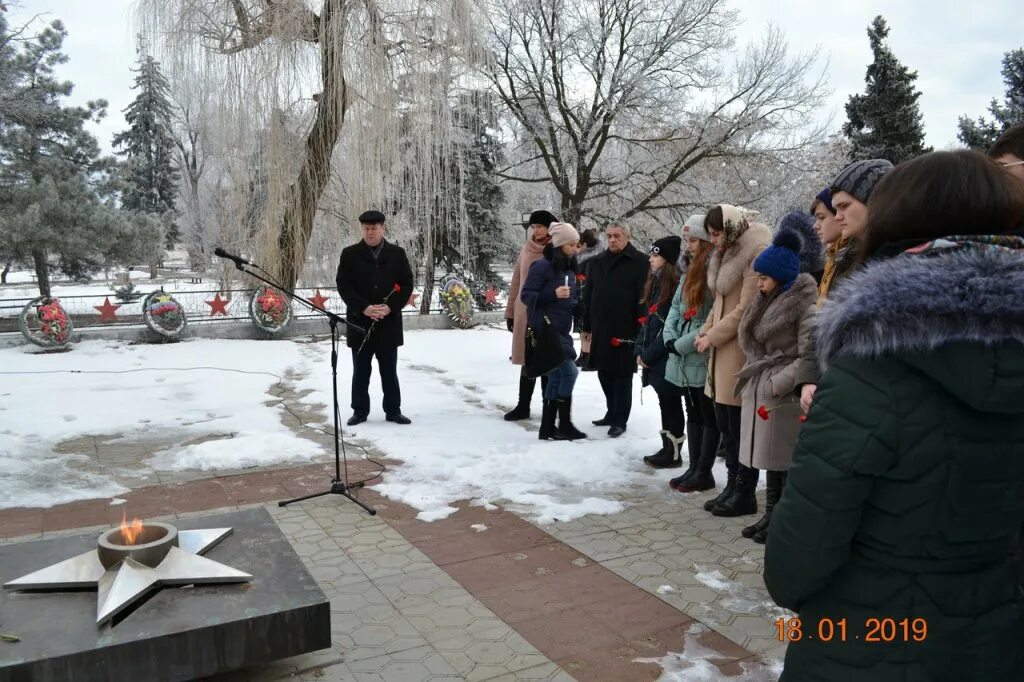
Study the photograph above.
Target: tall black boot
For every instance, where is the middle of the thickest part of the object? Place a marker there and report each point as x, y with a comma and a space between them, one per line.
668, 457
547, 421
522, 408
566, 431
742, 502
702, 479
776, 482
730, 486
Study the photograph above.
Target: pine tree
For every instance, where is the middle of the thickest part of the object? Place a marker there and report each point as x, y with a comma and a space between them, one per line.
885, 122
55, 195
982, 134
148, 146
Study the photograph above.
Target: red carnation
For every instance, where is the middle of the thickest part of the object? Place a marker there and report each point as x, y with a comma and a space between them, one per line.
803, 418
396, 288
581, 277
762, 412
653, 309
616, 341
642, 320
690, 314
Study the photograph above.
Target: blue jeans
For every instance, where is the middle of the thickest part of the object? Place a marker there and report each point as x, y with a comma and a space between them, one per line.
561, 381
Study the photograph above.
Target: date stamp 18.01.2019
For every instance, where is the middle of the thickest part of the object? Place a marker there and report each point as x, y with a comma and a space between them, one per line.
881, 630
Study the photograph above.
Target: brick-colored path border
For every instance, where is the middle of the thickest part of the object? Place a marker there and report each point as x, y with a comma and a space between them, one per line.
584, 617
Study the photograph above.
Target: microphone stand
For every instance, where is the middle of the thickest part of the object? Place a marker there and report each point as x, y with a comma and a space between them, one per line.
339, 485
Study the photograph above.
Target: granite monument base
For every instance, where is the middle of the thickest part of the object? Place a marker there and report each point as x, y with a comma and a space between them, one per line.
179, 633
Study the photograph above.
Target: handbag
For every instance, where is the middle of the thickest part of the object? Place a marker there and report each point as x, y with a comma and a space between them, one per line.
544, 351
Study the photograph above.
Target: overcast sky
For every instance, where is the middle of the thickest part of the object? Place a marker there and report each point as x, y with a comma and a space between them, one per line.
955, 45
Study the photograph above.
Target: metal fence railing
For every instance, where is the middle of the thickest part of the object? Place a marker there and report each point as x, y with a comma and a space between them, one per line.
83, 308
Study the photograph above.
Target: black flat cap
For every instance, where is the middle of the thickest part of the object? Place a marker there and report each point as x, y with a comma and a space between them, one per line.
371, 218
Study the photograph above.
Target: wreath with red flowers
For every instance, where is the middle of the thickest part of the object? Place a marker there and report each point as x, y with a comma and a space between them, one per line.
44, 322
270, 310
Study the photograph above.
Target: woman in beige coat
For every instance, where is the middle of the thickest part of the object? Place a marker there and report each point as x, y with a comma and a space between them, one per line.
515, 310
773, 334
732, 281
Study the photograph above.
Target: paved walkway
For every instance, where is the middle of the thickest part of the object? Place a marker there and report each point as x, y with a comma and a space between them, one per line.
482, 595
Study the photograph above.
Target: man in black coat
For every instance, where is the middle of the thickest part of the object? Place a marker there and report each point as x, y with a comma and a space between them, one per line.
611, 309
375, 281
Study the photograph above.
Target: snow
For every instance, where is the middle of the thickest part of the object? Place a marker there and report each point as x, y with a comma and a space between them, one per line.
694, 663
455, 385
740, 598
666, 589
479, 527
170, 392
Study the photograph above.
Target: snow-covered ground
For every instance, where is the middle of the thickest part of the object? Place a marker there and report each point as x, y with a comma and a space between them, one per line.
695, 664
457, 448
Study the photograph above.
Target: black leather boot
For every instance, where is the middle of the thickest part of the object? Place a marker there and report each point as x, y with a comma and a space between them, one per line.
694, 432
742, 502
522, 408
776, 482
566, 431
730, 486
668, 456
702, 479
547, 421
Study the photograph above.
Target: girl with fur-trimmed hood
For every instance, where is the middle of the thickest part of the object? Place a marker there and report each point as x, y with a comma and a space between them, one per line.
773, 333
738, 241
906, 494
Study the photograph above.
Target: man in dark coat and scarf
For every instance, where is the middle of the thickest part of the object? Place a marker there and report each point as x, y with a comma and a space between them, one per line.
375, 281
611, 310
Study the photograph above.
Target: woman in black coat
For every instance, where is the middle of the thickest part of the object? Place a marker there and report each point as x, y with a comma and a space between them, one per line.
652, 355
549, 294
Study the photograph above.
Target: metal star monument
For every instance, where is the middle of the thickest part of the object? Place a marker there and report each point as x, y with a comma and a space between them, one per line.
129, 562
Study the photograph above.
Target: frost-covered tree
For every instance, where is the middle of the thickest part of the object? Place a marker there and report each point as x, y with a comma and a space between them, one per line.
55, 189
885, 121
617, 101
148, 147
982, 133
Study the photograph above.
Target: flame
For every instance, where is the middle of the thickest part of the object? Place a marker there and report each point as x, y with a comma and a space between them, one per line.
130, 532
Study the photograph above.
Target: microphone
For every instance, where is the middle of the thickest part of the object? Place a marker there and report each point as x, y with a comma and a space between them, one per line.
221, 253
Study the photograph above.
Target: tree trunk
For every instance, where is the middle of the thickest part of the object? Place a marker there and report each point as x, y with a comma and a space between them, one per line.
428, 284
39, 259
153, 265
303, 195
3, 275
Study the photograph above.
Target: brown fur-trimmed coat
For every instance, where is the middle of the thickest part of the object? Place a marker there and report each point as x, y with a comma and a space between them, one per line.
733, 284
773, 334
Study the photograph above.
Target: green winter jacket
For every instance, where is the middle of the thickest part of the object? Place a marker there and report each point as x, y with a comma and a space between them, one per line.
686, 367
906, 493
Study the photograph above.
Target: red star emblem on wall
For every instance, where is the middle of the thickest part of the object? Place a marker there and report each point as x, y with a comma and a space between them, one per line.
319, 300
218, 305
413, 298
491, 295
108, 311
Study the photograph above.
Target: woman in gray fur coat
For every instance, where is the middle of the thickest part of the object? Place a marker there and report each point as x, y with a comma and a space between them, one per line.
773, 333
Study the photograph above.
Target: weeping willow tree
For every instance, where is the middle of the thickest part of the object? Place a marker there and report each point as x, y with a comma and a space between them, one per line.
343, 71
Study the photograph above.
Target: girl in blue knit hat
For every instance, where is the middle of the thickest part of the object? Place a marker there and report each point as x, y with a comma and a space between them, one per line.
773, 332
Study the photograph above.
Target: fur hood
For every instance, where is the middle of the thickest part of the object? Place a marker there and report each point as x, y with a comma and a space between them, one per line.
593, 252
912, 303
767, 316
726, 270
955, 316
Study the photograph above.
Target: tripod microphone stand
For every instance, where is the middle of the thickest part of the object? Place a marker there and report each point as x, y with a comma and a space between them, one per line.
339, 485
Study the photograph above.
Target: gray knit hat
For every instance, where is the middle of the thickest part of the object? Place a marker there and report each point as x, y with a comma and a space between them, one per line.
694, 228
860, 177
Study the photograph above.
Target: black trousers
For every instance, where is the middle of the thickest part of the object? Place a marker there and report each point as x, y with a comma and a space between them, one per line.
672, 418
729, 423
700, 410
618, 396
387, 363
